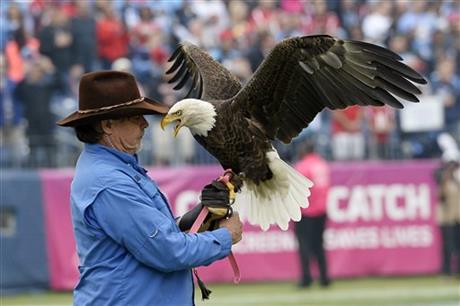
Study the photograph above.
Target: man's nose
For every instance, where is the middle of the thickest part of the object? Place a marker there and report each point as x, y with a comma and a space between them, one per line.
144, 123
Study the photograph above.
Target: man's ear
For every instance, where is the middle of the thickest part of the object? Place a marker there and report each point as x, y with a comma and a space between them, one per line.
106, 126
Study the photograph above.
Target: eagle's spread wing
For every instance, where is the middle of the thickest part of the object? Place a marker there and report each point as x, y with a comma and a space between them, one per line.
303, 75
208, 79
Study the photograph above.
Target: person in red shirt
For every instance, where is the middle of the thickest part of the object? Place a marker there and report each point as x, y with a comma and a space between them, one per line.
112, 38
347, 136
309, 230
381, 122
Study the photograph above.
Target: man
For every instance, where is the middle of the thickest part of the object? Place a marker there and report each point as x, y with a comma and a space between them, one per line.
309, 230
447, 176
131, 249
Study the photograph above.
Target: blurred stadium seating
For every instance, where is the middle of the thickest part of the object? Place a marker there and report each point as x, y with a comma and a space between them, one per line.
47, 45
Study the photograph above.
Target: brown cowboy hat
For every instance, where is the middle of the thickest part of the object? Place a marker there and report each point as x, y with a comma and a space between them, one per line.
110, 95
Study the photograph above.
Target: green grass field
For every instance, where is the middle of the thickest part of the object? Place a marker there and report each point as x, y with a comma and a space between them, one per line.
413, 291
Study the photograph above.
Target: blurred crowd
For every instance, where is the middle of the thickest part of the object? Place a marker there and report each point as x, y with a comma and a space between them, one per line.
47, 45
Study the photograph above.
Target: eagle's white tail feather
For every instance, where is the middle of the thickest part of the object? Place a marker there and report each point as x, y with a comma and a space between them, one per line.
298, 186
281, 213
293, 211
276, 201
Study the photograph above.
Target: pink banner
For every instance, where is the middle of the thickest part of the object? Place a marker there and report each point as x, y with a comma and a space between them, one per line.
382, 219
381, 223
62, 256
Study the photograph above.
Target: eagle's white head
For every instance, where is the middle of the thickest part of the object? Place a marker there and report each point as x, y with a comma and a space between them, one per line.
198, 115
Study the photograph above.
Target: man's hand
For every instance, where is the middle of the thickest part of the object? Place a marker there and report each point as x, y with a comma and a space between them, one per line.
215, 196
234, 226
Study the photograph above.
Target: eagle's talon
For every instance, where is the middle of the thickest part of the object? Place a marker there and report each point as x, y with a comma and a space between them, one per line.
231, 192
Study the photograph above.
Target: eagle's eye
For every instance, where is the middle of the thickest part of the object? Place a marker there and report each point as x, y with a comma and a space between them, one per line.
178, 113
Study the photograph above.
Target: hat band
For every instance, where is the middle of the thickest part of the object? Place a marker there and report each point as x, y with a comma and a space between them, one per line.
105, 108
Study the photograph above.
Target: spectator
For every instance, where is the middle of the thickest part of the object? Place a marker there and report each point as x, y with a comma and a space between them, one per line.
142, 31
214, 15
14, 22
292, 6
309, 230
381, 123
446, 86
19, 48
452, 34
263, 44
56, 42
84, 33
401, 45
347, 137
349, 15
355, 33
376, 25
239, 22
227, 49
35, 93
239, 67
13, 144
264, 17
419, 23
193, 32
167, 150
112, 38
68, 147
289, 25
147, 50
448, 179
319, 20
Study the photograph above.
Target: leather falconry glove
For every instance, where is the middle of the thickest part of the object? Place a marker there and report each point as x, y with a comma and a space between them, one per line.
215, 196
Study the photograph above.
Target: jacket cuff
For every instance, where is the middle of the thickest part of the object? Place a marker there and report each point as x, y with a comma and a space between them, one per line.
223, 236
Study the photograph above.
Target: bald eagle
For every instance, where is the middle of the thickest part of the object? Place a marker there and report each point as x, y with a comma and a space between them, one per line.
298, 79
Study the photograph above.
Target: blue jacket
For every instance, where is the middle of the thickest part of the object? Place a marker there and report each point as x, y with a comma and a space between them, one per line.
131, 250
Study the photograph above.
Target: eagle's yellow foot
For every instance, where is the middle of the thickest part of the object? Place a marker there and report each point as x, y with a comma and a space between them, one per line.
226, 179
231, 191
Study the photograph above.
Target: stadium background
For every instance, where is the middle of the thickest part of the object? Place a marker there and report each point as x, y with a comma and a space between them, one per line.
47, 45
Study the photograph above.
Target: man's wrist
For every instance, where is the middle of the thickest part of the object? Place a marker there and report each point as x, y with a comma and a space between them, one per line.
224, 236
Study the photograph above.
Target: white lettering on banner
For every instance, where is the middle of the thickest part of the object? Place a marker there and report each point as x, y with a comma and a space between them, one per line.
406, 236
372, 202
393, 210
351, 238
335, 195
372, 237
358, 206
418, 202
266, 242
376, 193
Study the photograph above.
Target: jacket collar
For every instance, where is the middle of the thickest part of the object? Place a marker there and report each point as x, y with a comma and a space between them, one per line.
127, 158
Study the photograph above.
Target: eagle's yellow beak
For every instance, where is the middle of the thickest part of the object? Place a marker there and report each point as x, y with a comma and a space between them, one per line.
171, 118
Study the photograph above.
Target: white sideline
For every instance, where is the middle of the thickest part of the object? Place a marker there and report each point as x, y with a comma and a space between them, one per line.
339, 295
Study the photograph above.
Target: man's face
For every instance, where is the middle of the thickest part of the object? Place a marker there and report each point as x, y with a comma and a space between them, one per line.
126, 134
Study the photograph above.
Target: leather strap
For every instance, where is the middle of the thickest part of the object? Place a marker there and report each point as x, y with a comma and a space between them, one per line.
199, 220
235, 268
231, 258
